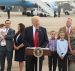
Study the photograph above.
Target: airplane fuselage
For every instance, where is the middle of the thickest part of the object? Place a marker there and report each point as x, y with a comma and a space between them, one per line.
16, 3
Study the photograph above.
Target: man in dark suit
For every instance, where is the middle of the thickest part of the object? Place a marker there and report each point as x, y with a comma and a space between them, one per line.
32, 40
7, 50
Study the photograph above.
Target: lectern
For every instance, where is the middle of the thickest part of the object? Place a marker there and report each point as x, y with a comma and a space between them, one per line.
37, 52
30, 51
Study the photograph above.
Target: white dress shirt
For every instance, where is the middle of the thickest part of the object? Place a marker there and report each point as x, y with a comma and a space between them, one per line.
7, 29
68, 29
34, 29
62, 47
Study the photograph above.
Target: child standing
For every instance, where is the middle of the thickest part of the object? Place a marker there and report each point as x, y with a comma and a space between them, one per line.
62, 48
52, 60
2, 35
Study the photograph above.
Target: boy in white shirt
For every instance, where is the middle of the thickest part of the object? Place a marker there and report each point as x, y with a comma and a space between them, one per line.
62, 48
2, 35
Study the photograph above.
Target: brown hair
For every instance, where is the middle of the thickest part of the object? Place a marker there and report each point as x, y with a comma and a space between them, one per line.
52, 31
2, 25
8, 20
22, 28
61, 32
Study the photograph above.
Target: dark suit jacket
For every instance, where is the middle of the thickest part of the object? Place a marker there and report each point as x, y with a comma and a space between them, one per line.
28, 38
9, 39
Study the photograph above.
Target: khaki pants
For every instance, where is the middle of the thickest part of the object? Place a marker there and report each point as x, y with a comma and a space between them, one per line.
72, 67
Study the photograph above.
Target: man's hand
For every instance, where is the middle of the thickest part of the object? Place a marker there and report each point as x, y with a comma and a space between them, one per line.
73, 52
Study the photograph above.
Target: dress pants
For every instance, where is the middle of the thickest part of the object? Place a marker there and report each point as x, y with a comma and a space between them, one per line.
72, 66
52, 61
32, 64
62, 64
8, 13
5, 54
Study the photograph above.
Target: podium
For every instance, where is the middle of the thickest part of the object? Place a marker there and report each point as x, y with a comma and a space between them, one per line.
29, 51
37, 52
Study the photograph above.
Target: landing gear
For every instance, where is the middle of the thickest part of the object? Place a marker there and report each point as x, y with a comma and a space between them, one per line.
24, 13
67, 13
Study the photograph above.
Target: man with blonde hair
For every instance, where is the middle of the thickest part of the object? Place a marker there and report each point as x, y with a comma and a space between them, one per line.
32, 39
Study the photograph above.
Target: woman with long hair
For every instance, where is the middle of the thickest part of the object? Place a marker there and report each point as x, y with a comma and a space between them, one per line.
19, 52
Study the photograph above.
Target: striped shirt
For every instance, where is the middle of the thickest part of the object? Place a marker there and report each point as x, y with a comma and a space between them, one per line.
52, 45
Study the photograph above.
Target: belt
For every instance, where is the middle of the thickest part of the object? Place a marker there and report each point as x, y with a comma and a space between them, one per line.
73, 62
2, 46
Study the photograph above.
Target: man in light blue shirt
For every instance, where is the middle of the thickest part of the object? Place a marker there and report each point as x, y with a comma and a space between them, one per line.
62, 48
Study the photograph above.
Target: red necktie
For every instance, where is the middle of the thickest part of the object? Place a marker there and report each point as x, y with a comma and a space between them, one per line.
36, 39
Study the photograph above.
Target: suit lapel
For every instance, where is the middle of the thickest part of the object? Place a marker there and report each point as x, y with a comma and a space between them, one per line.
65, 29
40, 34
31, 34
9, 31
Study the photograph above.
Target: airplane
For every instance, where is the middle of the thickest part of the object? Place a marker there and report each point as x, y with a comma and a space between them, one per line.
6, 5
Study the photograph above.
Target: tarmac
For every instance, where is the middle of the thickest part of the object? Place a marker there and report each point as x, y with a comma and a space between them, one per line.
50, 23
